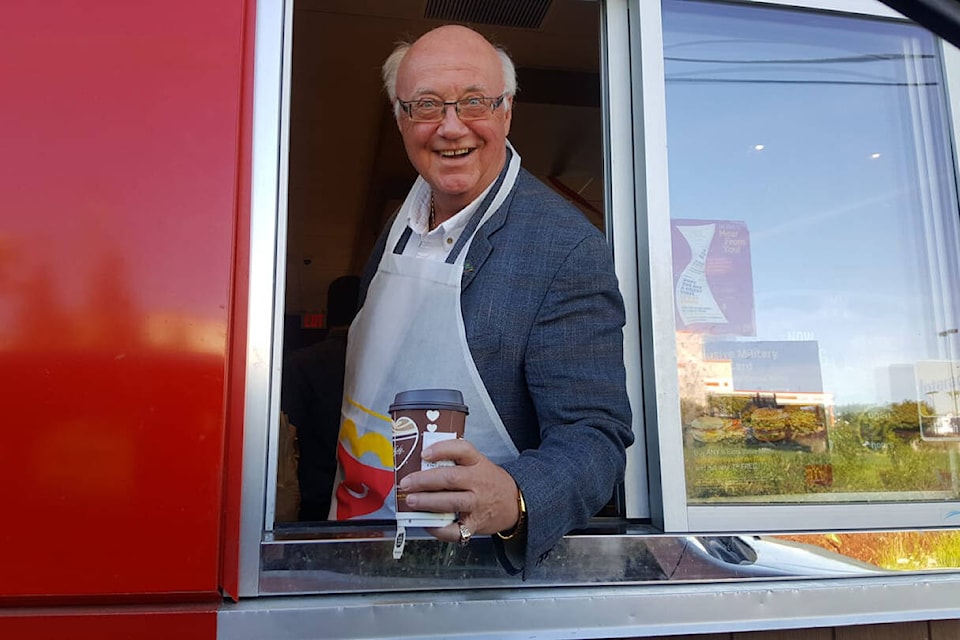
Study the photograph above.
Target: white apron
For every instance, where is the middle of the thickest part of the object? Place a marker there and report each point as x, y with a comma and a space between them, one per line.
409, 334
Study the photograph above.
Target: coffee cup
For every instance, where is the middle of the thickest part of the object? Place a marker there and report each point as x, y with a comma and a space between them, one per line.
422, 417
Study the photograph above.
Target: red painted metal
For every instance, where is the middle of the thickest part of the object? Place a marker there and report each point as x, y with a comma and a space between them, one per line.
118, 190
185, 622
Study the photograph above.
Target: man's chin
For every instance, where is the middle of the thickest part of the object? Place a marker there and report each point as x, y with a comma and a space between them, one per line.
452, 188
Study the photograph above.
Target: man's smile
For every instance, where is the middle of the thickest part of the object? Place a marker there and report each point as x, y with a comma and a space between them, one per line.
454, 153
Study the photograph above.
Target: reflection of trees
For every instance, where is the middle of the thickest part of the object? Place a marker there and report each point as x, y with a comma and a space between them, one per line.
881, 425
41, 307
41, 320
111, 313
8, 257
894, 429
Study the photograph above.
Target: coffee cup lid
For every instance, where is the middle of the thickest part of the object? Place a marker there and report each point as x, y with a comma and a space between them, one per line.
450, 399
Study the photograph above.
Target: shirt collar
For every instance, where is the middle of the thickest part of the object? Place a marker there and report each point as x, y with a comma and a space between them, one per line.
420, 215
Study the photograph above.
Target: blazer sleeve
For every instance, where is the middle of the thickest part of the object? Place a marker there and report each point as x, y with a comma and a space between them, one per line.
575, 376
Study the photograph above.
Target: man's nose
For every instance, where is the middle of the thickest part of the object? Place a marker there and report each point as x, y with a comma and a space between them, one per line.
451, 125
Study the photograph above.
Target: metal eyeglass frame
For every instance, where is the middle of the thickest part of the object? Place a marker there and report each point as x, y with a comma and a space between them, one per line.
492, 102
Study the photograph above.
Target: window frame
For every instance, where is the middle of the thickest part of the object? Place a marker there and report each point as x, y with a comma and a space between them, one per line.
268, 213
272, 81
638, 228
677, 515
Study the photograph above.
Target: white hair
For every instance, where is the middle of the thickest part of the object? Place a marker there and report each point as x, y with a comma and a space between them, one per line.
392, 64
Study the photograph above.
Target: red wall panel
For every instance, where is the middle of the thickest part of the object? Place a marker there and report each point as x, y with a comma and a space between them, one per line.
189, 622
118, 202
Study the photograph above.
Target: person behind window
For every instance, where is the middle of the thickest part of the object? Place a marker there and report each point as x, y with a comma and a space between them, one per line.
488, 282
310, 396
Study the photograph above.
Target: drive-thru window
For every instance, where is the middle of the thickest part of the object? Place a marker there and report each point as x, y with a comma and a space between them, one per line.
777, 182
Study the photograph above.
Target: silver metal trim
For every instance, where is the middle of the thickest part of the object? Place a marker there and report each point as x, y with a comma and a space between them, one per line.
950, 67
267, 207
863, 7
951, 75
280, 266
836, 517
936, 229
655, 264
624, 555
597, 612
621, 222
652, 308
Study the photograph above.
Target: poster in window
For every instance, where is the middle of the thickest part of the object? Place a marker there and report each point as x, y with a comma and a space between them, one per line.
712, 277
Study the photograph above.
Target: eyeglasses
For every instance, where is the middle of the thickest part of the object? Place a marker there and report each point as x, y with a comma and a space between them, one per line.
430, 110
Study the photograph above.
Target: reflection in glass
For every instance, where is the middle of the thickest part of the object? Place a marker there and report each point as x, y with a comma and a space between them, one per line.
815, 249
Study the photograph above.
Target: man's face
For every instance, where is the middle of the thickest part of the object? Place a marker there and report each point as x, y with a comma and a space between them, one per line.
458, 159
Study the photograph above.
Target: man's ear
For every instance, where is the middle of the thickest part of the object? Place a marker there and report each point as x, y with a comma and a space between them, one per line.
507, 117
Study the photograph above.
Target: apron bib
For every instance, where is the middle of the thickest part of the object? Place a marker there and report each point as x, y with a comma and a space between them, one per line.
409, 334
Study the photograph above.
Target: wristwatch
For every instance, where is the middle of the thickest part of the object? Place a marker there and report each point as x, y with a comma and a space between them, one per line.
521, 526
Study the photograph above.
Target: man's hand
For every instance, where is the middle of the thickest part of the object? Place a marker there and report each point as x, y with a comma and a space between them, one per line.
482, 493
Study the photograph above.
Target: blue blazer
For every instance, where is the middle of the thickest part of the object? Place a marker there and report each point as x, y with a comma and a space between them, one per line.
544, 318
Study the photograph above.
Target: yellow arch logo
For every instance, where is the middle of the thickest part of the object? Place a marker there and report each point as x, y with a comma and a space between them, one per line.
370, 442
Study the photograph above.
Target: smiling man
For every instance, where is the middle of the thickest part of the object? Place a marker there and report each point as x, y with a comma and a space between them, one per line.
486, 282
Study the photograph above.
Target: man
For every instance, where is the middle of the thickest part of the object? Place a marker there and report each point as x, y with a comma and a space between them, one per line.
487, 282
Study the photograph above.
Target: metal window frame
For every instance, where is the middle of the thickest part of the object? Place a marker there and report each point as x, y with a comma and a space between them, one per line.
268, 228
676, 516
950, 56
862, 7
621, 141
272, 81
596, 611
638, 227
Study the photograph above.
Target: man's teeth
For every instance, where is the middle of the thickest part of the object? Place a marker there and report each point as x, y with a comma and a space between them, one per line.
454, 152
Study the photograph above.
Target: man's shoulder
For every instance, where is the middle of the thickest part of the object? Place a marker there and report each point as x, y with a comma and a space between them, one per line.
535, 204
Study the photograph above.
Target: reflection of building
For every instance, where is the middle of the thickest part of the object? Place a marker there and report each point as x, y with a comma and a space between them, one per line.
899, 382
183, 332
787, 373
770, 365
936, 386
699, 377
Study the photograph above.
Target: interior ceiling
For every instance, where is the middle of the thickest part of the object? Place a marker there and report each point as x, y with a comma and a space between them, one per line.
348, 170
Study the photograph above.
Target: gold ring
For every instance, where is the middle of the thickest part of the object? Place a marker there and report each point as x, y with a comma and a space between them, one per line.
464, 534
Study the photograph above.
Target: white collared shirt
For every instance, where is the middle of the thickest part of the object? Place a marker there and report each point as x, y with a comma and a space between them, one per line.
436, 244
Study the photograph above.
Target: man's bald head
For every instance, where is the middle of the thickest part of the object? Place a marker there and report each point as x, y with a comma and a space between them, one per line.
443, 36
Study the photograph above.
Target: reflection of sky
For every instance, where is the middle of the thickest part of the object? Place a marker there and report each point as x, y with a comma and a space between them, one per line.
836, 232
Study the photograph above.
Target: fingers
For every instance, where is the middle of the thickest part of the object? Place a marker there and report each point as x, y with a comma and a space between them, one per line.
449, 533
482, 493
458, 451
445, 478
442, 501
439, 479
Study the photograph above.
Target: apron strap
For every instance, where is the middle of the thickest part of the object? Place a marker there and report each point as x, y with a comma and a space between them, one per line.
477, 216
402, 242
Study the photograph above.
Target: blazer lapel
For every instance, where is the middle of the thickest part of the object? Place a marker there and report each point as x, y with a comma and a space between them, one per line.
480, 249
481, 246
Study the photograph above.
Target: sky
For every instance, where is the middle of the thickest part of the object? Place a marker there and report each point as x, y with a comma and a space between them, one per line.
827, 137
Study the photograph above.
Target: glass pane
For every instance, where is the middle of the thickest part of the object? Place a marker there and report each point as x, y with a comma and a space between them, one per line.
815, 246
